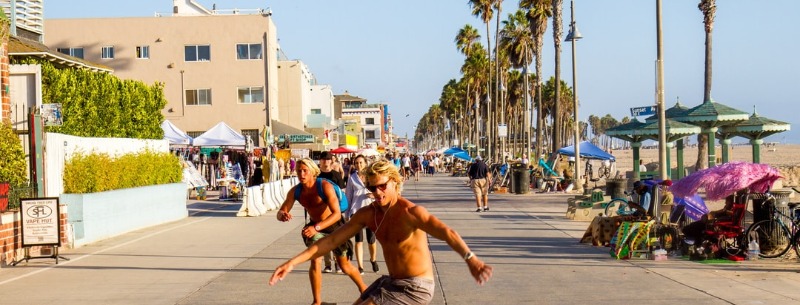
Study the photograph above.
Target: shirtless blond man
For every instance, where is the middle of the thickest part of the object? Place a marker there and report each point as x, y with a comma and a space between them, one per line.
325, 218
401, 228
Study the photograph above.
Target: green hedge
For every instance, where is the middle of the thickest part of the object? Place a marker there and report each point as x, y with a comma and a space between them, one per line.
13, 168
98, 172
101, 105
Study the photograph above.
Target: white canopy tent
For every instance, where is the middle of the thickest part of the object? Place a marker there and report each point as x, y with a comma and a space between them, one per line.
175, 135
220, 135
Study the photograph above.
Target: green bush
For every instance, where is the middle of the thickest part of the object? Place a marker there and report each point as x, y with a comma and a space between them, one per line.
98, 172
101, 105
13, 168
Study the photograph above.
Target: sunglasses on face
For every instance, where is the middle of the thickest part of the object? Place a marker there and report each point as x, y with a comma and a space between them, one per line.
373, 188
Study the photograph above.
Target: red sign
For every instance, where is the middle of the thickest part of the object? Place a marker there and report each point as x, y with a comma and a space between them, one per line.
3, 196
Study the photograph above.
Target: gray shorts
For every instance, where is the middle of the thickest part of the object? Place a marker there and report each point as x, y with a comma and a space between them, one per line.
410, 291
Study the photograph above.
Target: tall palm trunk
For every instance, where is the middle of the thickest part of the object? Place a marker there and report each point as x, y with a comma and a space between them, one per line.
557, 5
709, 8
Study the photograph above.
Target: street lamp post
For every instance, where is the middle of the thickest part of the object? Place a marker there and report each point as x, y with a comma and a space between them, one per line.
573, 36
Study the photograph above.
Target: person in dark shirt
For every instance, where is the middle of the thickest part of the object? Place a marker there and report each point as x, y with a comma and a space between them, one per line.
326, 166
478, 174
327, 172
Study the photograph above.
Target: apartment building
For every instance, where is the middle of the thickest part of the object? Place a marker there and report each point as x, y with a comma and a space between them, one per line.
215, 65
373, 118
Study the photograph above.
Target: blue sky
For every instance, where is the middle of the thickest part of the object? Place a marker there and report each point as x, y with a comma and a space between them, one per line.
402, 52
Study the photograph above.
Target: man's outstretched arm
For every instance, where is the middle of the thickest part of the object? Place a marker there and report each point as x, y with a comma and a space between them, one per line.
319, 248
436, 228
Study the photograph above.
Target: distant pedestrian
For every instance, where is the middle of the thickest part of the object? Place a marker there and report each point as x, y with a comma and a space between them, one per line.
325, 217
479, 176
404, 240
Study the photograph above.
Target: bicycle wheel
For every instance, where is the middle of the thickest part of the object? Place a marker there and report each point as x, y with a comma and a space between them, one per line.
617, 207
773, 237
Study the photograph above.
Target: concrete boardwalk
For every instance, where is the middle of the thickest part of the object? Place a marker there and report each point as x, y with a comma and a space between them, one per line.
213, 257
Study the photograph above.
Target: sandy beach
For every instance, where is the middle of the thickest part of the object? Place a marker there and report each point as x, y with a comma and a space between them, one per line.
783, 157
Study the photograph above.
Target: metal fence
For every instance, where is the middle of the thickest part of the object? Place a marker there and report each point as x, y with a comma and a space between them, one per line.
16, 193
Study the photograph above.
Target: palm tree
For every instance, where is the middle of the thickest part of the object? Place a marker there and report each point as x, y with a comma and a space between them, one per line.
473, 72
517, 41
465, 41
538, 13
709, 8
485, 11
516, 96
557, 8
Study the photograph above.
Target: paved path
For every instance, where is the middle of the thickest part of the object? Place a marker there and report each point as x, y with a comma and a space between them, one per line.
213, 257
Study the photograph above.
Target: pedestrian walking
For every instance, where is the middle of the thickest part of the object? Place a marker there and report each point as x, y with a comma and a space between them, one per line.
479, 176
325, 217
360, 197
404, 240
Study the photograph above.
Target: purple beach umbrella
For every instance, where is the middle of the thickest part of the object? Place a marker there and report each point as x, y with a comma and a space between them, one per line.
725, 179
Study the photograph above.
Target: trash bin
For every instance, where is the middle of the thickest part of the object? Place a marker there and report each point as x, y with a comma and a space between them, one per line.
522, 180
761, 208
616, 187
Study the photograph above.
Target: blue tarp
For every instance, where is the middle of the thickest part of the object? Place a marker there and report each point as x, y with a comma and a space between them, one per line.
588, 150
458, 153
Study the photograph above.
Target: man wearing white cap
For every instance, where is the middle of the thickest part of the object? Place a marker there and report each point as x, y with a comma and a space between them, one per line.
478, 179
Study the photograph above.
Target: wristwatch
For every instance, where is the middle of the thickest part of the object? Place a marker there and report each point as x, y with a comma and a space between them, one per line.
317, 228
468, 256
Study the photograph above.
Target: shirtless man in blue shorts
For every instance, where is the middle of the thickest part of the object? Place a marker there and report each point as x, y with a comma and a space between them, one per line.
401, 228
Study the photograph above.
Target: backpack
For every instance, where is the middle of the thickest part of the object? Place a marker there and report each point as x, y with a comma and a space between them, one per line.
343, 204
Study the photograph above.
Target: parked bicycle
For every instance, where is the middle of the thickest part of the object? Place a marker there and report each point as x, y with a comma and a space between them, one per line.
619, 206
773, 236
605, 169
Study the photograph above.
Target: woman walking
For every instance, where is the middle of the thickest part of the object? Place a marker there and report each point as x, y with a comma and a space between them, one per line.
356, 191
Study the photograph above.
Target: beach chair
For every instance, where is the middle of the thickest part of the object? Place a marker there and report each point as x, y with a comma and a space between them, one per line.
551, 179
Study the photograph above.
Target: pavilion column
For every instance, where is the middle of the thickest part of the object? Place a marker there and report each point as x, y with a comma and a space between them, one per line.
712, 150
679, 159
636, 146
670, 145
726, 147
756, 143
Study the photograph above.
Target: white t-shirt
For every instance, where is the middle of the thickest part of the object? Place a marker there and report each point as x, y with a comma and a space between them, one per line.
406, 161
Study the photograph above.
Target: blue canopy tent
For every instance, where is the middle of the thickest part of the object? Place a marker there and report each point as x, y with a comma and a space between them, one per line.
588, 150
458, 153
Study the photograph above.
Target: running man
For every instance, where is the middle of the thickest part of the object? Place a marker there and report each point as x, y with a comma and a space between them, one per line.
401, 228
325, 218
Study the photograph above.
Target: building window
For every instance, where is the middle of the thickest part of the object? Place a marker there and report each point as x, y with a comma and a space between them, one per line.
369, 121
198, 97
143, 52
248, 51
107, 52
254, 135
370, 134
197, 53
316, 111
251, 95
74, 52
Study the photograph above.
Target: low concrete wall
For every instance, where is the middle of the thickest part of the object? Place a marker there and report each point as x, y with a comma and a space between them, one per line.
98, 216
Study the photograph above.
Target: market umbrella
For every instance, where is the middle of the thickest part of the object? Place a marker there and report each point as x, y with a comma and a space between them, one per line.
693, 206
463, 155
453, 150
342, 150
723, 180
368, 152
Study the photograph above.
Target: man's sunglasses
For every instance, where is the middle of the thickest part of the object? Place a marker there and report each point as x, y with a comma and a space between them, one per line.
373, 188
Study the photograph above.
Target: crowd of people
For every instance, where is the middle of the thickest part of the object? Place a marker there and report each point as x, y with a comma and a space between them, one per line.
377, 213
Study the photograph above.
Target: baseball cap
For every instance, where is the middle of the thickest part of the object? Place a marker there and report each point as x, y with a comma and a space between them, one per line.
478, 158
325, 155
637, 184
